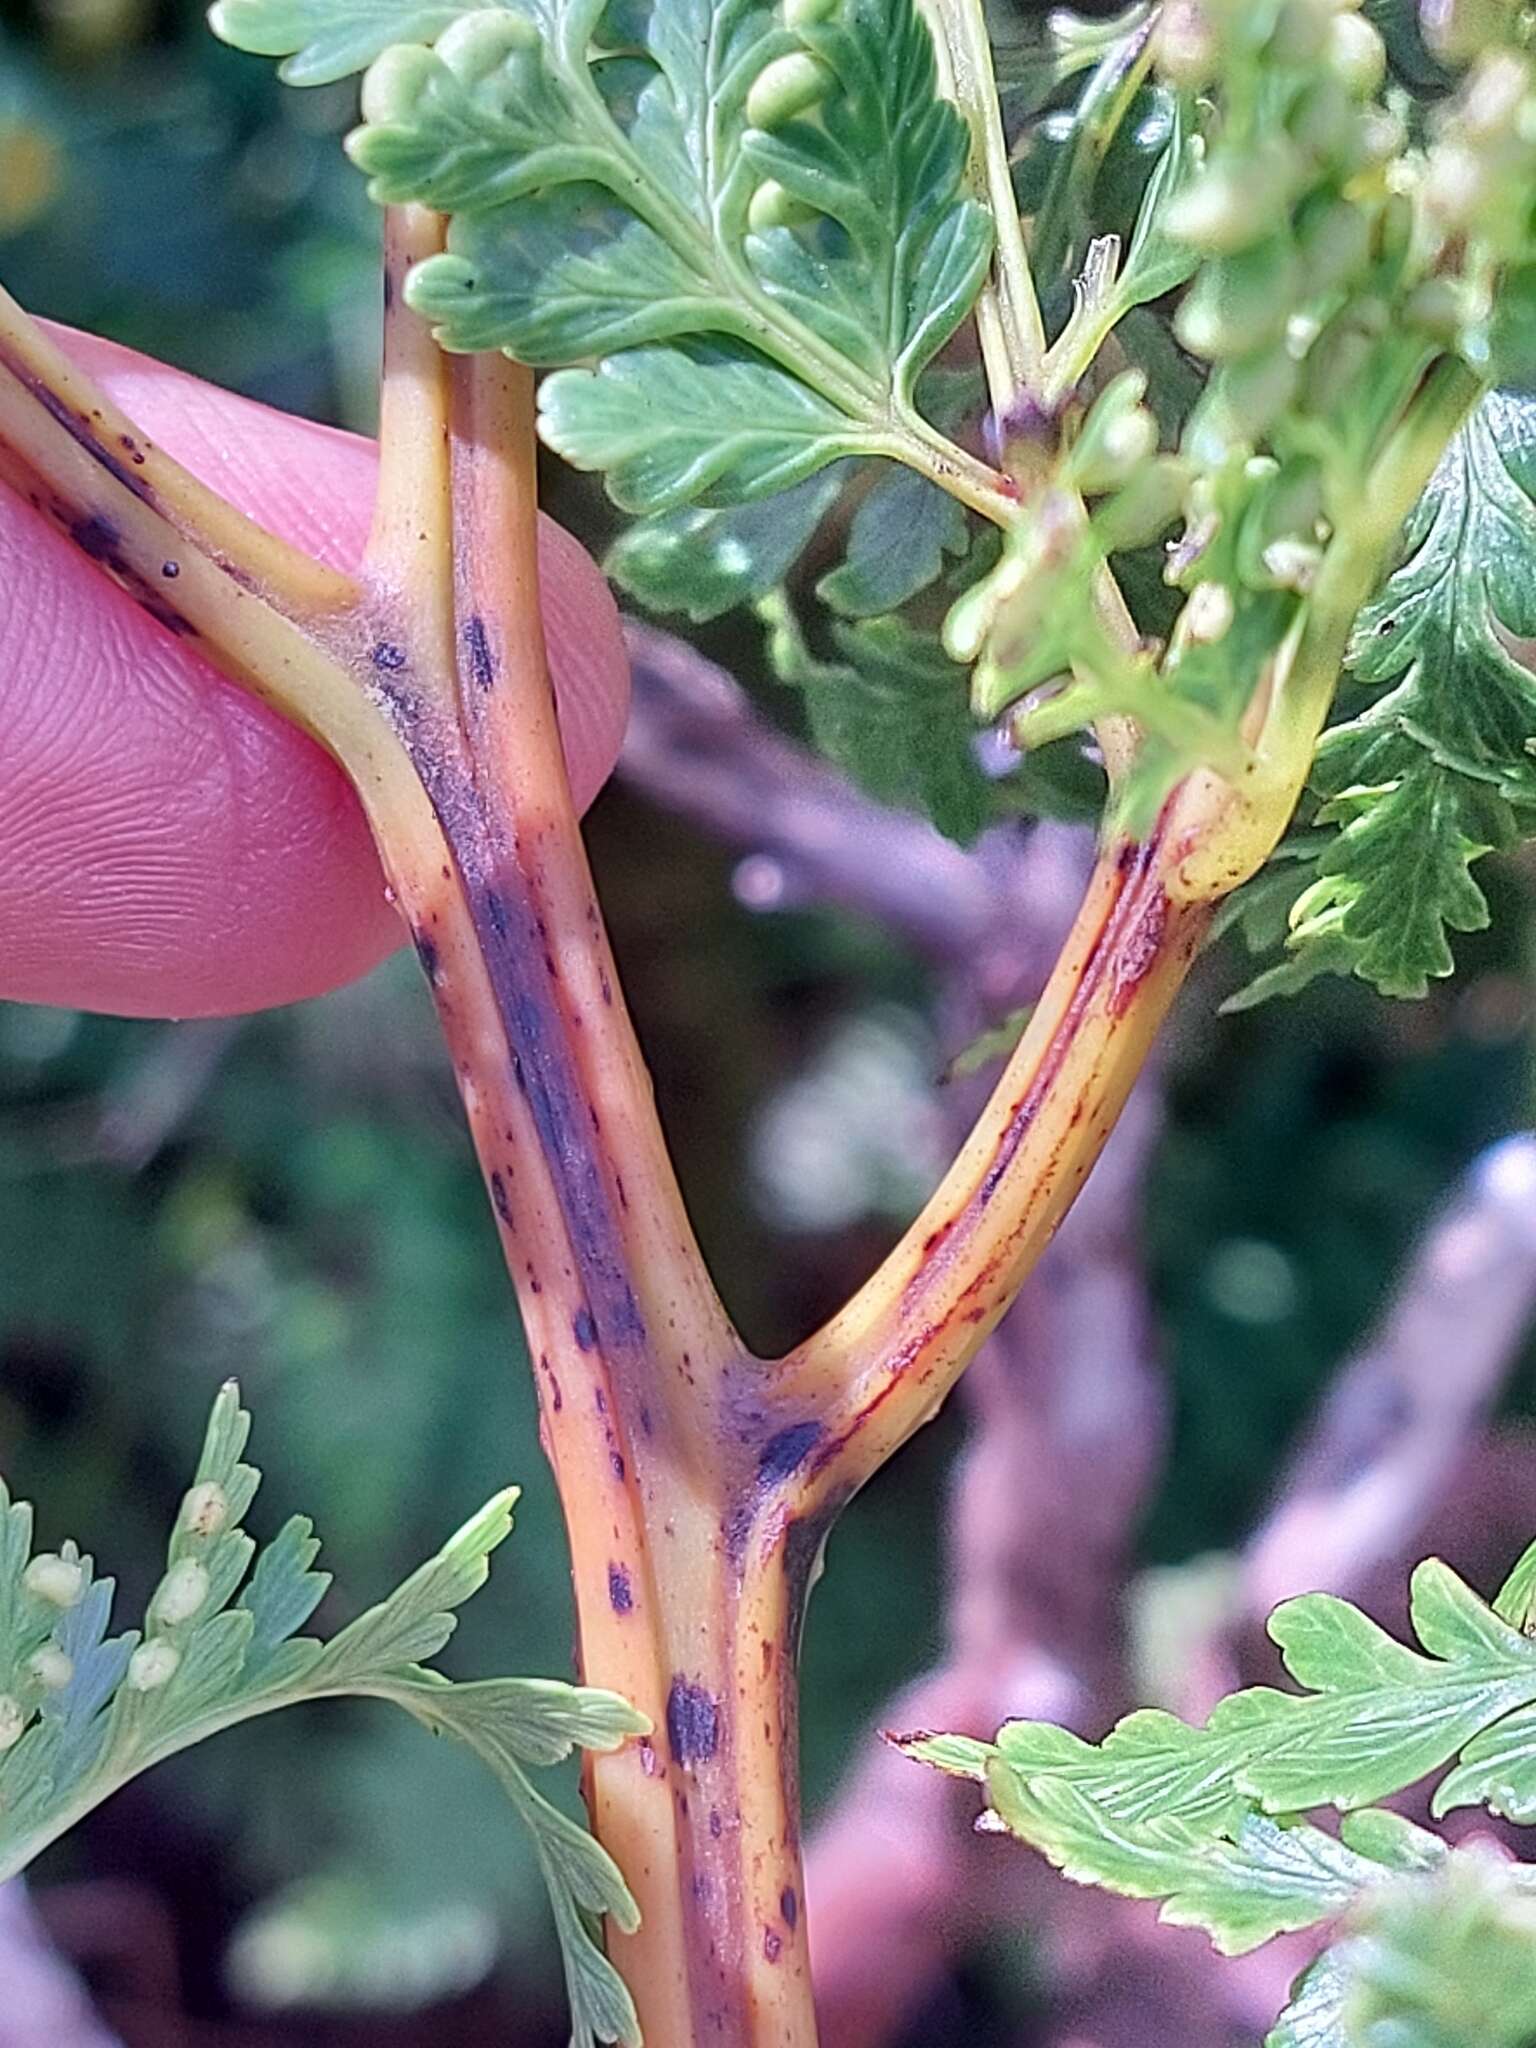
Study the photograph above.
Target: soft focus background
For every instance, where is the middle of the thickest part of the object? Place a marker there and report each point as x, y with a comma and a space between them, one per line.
291, 1198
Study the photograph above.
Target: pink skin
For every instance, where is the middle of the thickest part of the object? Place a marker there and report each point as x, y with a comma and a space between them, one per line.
168, 846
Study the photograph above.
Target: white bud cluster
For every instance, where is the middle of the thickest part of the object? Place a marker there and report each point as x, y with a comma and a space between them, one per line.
152, 1666
181, 1594
205, 1510
51, 1668
1485, 157
58, 1580
1208, 614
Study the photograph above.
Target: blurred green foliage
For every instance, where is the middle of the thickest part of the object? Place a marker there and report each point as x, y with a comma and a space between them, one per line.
293, 1196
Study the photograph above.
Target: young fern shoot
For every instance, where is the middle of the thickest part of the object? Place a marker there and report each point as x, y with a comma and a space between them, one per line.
1126, 509
82, 1712
1207, 1820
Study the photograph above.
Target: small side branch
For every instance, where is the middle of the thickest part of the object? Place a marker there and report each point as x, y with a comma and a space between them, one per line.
882, 1366
1008, 318
1066, 1434
90, 470
272, 619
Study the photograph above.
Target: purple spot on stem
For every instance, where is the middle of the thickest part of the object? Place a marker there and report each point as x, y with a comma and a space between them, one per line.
693, 1722
482, 663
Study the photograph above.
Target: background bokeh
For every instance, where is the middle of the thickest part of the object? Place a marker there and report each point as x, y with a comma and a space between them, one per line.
291, 1198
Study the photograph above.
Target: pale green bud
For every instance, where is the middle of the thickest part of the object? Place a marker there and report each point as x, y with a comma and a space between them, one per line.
1333, 241
1495, 95
476, 45
1357, 55
205, 1509
1189, 45
51, 1668
788, 86
1383, 135
1118, 435
58, 1580
1278, 540
1247, 397
1324, 124
152, 1666
394, 83
1208, 614
1340, 353
1146, 508
1237, 200
1437, 308
1456, 185
1126, 444
1239, 303
803, 13
970, 622
1015, 618
181, 1593
1301, 31
772, 207
1293, 563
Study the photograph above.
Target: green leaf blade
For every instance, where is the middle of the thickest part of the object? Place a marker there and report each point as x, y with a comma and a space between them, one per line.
705, 562
600, 202
1242, 1888
899, 535
327, 40
892, 713
121, 1706
710, 421
413, 1624
1439, 769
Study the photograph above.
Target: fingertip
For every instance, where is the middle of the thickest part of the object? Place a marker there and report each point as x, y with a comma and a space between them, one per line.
587, 660
169, 846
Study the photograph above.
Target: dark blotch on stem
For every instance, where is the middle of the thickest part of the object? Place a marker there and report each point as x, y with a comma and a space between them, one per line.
427, 954
789, 1906
496, 912
693, 1722
786, 1451
388, 658
482, 663
499, 1197
96, 536
584, 1329
80, 430
621, 1596
1136, 958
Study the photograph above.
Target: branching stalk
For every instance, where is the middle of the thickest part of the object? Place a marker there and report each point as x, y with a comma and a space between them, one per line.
1008, 320
882, 1366
698, 1481
1234, 828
